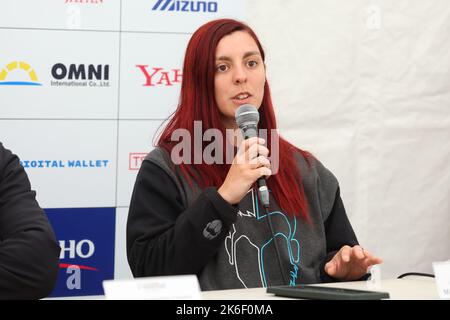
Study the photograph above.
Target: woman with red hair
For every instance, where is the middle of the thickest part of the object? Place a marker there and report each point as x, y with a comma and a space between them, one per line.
203, 217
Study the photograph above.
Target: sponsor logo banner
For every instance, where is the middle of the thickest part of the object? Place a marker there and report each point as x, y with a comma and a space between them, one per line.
87, 238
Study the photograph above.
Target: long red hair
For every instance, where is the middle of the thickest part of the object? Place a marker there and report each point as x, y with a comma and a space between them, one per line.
197, 103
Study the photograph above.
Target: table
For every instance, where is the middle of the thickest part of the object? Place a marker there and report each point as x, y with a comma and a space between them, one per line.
408, 288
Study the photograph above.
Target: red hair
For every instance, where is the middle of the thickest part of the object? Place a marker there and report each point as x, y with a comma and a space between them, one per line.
197, 103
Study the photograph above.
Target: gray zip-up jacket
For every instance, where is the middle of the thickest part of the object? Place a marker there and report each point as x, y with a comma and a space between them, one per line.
174, 229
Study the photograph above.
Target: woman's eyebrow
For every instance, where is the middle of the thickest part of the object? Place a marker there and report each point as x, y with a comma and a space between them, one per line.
246, 55
251, 53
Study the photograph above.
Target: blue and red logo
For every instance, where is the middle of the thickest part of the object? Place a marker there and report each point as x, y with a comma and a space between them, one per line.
86, 237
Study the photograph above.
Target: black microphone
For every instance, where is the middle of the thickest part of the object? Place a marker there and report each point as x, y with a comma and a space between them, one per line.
247, 118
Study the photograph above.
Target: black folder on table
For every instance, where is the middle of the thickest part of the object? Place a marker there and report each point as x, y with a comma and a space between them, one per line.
326, 293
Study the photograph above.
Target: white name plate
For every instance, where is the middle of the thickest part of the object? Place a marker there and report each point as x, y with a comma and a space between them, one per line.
185, 287
442, 276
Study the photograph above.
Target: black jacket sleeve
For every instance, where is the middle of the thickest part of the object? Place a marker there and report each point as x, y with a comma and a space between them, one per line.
166, 238
29, 253
339, 233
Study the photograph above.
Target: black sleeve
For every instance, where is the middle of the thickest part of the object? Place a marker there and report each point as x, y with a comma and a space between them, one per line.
164, 237
29, 253
339, 232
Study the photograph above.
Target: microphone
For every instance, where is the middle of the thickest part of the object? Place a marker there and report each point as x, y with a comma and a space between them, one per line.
247, 118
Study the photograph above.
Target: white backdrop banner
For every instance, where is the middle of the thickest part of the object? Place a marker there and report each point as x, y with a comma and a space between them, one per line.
84, 86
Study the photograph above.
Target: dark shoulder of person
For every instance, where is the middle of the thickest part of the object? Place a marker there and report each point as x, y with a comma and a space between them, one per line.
28, 247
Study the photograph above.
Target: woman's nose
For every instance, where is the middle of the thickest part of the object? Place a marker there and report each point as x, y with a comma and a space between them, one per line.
240, 76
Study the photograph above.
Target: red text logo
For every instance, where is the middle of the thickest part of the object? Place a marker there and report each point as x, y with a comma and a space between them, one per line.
159, 76
135, 160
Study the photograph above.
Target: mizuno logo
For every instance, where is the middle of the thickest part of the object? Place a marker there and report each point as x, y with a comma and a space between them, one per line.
185, 6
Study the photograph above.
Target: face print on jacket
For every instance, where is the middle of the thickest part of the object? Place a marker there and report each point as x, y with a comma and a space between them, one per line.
250, 245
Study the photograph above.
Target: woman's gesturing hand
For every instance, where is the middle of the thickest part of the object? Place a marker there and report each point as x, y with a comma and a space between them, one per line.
351, 263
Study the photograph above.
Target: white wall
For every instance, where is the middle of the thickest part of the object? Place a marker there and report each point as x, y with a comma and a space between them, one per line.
365, 86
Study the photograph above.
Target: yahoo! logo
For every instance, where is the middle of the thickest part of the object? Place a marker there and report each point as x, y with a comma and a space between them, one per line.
185, 6
158, 76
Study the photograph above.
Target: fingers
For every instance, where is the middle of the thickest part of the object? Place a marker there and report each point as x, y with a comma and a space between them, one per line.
351, 261
335, 264
330, 268
357, 252
257, 149
248, 165
264, 171
250, 150
260, 161
375, 259
263, 166
252, 156
246, 144
370, 259
364, 258
345, 253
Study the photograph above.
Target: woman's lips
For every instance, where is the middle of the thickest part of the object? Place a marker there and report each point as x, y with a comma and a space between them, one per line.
237, 99
241, 101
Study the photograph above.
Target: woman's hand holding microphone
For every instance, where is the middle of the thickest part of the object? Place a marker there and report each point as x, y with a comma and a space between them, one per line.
248, 165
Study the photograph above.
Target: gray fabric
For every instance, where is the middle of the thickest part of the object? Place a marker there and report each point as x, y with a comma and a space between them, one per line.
247, 257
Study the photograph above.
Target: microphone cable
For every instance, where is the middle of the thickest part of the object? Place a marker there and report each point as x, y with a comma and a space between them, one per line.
277, 251
415, 274
247, 118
